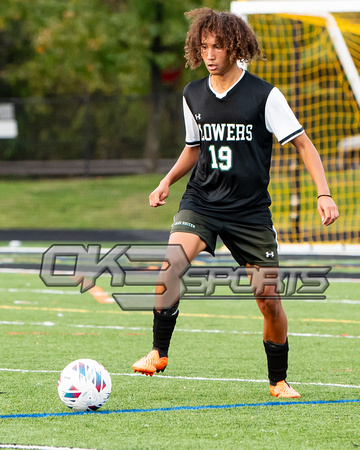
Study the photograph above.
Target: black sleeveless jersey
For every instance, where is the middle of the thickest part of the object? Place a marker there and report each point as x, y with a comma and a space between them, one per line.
230, 180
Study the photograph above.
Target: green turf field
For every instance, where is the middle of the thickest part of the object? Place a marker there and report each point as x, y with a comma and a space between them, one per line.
121, 203
214, 392
95, 203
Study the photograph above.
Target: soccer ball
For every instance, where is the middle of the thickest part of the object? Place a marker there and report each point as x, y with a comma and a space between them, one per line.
84, 385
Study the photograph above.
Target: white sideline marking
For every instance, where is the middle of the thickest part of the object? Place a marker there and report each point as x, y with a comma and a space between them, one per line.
40, 291
244, 380
169, 377
36, 272
27, 271
4, 369
181, 330
77, 292
39, 447
345, 280
343, 301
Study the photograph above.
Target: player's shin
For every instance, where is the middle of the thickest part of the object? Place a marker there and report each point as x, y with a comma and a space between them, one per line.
163, 327
277, 359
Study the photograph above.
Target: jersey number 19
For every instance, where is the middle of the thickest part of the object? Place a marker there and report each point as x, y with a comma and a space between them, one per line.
221, 159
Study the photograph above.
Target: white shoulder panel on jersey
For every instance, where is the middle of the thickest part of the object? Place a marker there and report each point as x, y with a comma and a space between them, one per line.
280, 119
192, 135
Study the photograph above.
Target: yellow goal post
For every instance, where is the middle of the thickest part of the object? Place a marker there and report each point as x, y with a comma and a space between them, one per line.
312, 53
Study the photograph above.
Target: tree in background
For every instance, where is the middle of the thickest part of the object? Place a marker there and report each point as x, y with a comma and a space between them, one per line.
97, 47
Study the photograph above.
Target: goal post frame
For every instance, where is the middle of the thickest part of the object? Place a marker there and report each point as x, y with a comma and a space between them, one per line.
306, 7
317, 8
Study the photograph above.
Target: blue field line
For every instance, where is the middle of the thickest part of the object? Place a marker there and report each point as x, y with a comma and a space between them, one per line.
177, 408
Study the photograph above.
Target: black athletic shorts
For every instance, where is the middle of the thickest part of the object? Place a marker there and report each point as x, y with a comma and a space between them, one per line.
248, 243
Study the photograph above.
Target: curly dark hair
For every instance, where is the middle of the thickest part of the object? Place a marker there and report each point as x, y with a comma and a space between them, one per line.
232, 33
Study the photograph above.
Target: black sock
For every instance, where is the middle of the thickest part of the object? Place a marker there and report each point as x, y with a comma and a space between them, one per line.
277, 358
163, 328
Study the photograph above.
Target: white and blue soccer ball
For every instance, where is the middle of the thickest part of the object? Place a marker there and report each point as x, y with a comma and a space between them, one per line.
84, 385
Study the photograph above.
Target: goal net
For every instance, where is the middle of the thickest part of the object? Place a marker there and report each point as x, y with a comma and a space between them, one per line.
313, 57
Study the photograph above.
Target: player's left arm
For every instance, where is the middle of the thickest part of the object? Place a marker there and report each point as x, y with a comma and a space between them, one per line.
326, 206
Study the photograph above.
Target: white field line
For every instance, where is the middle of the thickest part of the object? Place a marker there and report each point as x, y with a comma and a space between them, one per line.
181, 330
169, 377
27, 271
77, 292
39, 447
40, 291
344, 280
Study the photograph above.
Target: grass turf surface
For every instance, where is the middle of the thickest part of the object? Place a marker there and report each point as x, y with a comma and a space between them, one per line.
122, 203
217, 346
92, 203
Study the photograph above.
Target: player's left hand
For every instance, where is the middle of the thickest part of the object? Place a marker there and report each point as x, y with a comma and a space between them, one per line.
328, 210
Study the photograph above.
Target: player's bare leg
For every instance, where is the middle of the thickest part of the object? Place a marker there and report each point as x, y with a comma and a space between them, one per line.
265, 287
182, 249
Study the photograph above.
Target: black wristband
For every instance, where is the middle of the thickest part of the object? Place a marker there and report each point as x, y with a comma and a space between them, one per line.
324, 195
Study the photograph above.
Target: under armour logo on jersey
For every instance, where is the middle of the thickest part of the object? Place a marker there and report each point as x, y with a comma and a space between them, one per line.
197, 116
269, 254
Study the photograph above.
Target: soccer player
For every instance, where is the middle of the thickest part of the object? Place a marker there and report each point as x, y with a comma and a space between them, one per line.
230, 117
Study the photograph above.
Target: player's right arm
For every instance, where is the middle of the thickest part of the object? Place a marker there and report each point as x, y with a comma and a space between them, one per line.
183, 165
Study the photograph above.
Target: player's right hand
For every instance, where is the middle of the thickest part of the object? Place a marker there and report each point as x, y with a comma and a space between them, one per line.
158, 196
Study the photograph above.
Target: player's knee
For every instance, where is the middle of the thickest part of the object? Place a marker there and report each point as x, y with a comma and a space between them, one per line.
270, 308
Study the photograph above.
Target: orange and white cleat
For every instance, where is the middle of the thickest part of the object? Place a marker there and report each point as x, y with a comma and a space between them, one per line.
283, 390
151, 363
